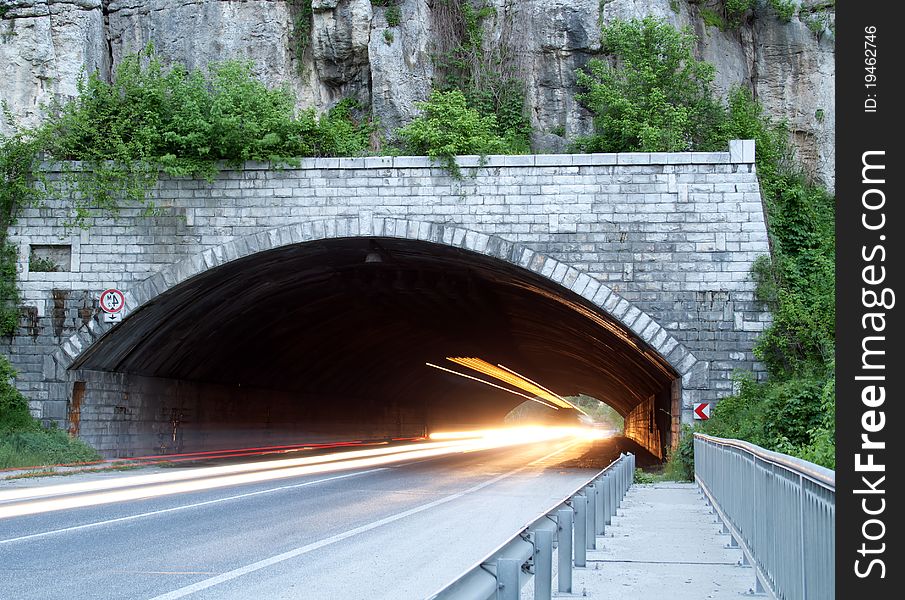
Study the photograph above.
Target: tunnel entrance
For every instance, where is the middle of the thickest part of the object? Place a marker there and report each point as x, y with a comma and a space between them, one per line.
332, 337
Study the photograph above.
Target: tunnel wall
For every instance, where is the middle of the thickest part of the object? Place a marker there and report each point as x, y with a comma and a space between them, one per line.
641, 426
671, 238
131, 415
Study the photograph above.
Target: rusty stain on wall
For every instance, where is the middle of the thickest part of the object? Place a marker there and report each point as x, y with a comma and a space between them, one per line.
75, 407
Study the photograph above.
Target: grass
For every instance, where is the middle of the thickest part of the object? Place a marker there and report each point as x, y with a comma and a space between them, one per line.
41, 448
53, 472
713, 18
670, 471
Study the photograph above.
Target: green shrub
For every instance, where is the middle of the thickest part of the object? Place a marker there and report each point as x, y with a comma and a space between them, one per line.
388, 36
9, 293
14, 414
23, 441
651, 94
42, 264
712, 18
447, 127
736, 10
42, 448
784, 9
302, 15
482, 72
152, 119
393, 15
641, 476
680, 462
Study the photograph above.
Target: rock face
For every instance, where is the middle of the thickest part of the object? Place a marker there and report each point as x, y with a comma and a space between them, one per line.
349, 49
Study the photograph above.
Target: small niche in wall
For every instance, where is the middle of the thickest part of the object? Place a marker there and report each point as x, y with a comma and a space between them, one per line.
50, 258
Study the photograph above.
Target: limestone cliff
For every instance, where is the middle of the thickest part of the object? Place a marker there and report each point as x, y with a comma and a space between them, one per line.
46, 44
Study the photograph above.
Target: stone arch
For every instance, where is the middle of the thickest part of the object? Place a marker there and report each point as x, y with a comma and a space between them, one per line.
640, 329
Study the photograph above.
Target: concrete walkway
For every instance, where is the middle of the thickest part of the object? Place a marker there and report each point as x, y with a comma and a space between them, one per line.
663, 544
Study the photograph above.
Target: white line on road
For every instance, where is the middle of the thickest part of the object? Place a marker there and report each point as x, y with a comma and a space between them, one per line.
186, 506
267, 562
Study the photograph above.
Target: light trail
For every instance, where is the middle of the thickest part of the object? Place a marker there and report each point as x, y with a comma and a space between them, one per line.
499, 387
512, 378
77, 495
205, 472
217, 454
552, 393
523, 435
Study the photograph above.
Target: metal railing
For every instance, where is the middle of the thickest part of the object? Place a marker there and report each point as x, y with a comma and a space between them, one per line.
587, 511
779, 510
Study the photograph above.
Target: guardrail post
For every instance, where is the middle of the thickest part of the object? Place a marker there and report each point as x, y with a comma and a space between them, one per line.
613, 504
607, 503
621, 472
564, 545
580, 504
507, 570
543, 564
599, 506
591, 514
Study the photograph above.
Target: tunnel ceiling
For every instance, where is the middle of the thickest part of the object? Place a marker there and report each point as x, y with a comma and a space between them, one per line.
327, 318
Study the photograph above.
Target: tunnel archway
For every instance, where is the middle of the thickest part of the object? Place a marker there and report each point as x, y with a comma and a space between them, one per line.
340, 317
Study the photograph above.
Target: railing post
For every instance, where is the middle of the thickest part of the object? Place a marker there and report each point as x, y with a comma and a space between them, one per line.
607, 501
580, 504
591, 522
801, 541
619, 481
507, 570
564, 545
543, 564
612, 495
599, 506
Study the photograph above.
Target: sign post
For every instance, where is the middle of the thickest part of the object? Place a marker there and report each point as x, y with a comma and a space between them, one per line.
112, 303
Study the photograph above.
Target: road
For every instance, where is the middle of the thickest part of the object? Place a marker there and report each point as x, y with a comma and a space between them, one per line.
398, 530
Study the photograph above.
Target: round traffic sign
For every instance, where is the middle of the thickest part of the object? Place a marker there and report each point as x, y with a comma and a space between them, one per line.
112, 301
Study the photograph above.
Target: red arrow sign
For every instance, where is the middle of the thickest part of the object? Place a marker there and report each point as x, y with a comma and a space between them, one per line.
702, 411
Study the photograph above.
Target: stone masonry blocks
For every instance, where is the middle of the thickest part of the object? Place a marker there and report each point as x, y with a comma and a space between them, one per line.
644, 237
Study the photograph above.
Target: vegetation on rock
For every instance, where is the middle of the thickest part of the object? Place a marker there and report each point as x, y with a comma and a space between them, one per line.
653, 95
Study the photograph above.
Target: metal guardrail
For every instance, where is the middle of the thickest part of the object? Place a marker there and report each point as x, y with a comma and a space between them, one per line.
779, 510
501, 574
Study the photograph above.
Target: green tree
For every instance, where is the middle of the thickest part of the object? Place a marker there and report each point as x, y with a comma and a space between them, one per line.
447, 127
650, 94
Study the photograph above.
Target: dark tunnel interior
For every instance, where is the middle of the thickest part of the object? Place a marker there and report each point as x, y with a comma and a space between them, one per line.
339, 331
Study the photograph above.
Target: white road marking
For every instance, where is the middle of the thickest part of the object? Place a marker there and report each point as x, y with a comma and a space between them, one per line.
267, 562
185, 506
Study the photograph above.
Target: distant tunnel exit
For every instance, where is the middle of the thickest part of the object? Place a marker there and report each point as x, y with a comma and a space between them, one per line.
333, 337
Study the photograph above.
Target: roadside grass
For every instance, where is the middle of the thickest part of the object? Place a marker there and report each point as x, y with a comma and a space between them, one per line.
669, 471
55, 472
42, 447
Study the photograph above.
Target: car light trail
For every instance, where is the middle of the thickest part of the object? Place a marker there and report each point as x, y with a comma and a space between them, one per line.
482, 366
499, 387
205, 472
68, 496
523, 435
506, 375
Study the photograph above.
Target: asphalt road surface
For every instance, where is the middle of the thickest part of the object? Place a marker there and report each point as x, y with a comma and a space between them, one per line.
397, 531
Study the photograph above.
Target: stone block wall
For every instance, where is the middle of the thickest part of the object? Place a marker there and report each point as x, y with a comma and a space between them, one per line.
670, 236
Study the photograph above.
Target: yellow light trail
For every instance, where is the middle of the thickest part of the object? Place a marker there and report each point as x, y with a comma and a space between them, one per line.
573, 405
511, 378
499, 387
